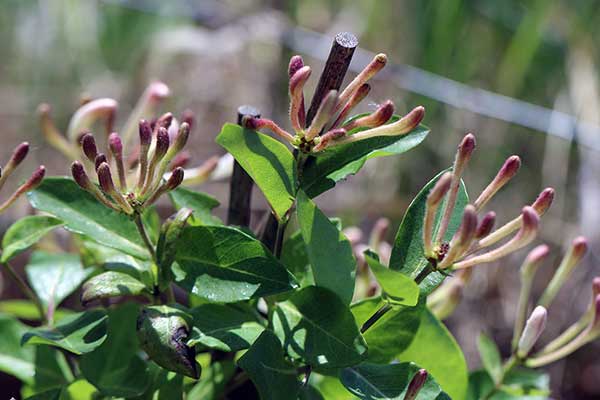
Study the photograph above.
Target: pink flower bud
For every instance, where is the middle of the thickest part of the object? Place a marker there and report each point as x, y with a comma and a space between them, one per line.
181, 160
165, 120
115, 144
175, 179
181, 139
382, 115
296, 63
434, 199
157, 91
506, 173
596, 286
466, 147
324, 113
86, 115
296, 89
36, 178
415, 385
19, 154
188, 117
254, 123
329, 139
486, 225
436, 195
352, 102
100, 158
543, 201
533, 329
461, 241
88, 144
162, 143
145, 131
105, 178
376, 65
533, 261
80, 176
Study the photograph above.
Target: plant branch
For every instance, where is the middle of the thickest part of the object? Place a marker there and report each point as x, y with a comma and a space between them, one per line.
28, 292
146, 239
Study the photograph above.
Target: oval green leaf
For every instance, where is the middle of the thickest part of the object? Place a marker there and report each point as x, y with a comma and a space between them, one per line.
397, 288
111, 284
200, 203
25, 233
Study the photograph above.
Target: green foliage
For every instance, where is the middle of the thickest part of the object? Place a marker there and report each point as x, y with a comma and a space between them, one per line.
25, 233
396, 287
200, 203
490, 357
111, 284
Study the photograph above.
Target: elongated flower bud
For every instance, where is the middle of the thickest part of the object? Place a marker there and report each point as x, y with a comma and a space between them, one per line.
329, 138
100, 158
175, 179
188, 117
379, 117
296, 63
462, 238
82, 179
416, 384
352, 102
508, 170
534, 260
18, 155
254, 123
52, 135
86, 115
525, 236
145, 108
296, 88
533, 329
181, 160
108, 187
162, 143
160, 150
164, 121
178, 144
33, 182
544, 200
376, 65
569, 262
486, 225
88, 144
116, 148
324, 113
434, 199
145, 133
198, 175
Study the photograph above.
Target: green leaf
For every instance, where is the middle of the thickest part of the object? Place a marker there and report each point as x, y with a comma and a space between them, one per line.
330, 387
163, 332
295, 259
223, 264
51, 369
214, 380
328, 249
321, 173
434, 349
82, 213
397, 288
15, 360
490, 357
111, 284
393, 333
78, 333
170, 233
25, 233
407, 253
274, 377
225, 327
115, 368
54, 276
519, 383
316, 326
387, 382
269, 162
200, 203
27, 310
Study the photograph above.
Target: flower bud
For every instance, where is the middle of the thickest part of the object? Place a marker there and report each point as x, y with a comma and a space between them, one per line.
164, 121
596, 320
145, 133
569, 262
175, 179
181, 160
533, 329
88, 144
86, 115
188, 117
105, 178
543, 201
486, 225
434, 199
116, 148
596, 286
461, 241
100, 158
296, 88
198, 175
80, 176
324, 113
18, 155
352, 102
296, 63
33, 182
508, 170
376, 65
533, 261
415, 385
525, 236
162, 143
254, 123
180, 140
379, 117
329, 139
436, 195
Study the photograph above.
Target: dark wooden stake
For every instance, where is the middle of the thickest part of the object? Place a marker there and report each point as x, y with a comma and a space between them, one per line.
334, 71
240, 189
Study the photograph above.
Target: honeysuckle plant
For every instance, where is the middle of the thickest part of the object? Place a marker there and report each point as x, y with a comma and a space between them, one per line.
188, 307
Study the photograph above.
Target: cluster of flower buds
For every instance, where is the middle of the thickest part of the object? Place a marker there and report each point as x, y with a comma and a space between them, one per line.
104, 110
329, 126
469, 246
526, 334
34, 180
140, 186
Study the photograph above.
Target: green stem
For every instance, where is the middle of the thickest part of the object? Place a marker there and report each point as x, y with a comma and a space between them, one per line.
28, 292
506, 368
145, 238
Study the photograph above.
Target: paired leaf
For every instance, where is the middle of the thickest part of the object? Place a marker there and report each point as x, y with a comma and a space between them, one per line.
274, 377
387, 382
316, 326
115, 367
490, 357
200, 203
321, 173
328, 249
407, 253
25, 233
396, 287
82, 213
434, 349
78, 333
163, 332
111, 284
393, 332
269, 163
224, 327
54, 276
223, 264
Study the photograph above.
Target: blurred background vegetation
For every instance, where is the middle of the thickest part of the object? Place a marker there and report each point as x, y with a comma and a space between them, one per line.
216, 55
